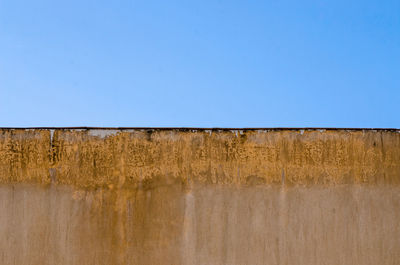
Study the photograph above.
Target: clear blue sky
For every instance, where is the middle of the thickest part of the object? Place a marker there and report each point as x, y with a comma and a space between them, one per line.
202, 63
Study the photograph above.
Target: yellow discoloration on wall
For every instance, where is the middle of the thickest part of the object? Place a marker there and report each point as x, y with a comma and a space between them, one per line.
24, 156
124, 159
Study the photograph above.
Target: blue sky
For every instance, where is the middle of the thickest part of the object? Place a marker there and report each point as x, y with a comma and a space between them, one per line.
200, 63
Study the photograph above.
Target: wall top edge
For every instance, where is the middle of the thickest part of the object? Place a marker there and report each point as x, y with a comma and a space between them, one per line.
205, 128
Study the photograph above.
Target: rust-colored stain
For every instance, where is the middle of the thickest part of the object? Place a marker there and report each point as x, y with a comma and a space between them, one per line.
171, 196
89, 159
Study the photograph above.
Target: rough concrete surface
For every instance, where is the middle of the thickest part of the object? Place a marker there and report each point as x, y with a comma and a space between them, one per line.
182, 196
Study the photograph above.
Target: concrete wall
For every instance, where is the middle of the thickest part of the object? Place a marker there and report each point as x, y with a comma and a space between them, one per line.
199, 197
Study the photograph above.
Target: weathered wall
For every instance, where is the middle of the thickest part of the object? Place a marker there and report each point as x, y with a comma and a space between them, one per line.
199, 197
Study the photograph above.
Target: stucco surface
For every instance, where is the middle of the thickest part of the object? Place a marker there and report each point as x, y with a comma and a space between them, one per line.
199, 196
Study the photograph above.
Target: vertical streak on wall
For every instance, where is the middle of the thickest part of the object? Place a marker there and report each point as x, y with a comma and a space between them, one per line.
189, 233
282, 208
